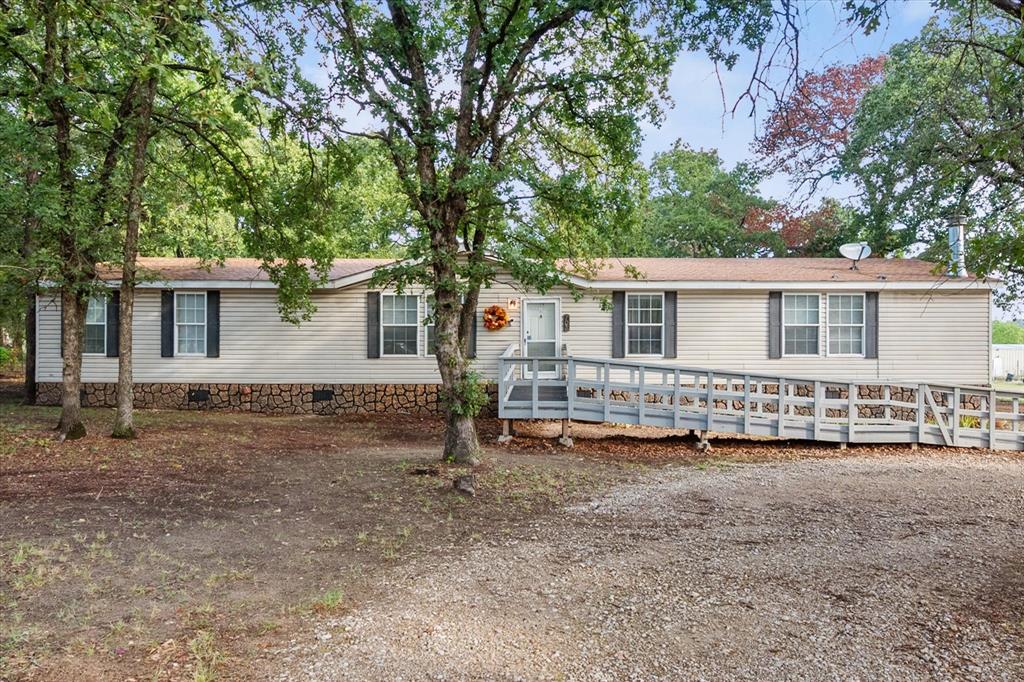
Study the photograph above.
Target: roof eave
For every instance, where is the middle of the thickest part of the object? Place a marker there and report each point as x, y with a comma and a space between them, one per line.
735, 285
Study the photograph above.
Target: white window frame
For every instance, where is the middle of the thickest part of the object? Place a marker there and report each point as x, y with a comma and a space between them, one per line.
627, 325
205, 325
427, 326
817, 295
862, 325
383, 325
103, 305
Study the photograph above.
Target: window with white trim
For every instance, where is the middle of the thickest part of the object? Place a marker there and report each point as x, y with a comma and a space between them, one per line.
431, 327
800, 324
399, 324
645, 324
846, 324
95, 342
190, 323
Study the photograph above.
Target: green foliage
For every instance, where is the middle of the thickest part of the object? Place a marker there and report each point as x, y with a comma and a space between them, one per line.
1007, 332
941, 135
467, 396
7, 358
698, 208
229, 173
513, 130
695, 207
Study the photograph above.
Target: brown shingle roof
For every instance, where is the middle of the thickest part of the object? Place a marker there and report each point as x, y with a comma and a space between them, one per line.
617, 269
233, 269
768, 270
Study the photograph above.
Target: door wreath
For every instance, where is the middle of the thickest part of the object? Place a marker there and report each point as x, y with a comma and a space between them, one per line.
495, 318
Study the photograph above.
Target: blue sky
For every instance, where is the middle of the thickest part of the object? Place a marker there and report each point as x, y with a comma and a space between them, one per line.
696, 115
698, 119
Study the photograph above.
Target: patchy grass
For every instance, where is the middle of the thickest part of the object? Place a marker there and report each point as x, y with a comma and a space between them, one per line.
205, 656
330, 601
193, 550
1015, 386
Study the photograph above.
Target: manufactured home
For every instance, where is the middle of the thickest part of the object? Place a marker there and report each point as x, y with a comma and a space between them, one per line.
212, 337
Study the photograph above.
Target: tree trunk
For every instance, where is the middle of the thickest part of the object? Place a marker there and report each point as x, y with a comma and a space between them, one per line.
31, 226
73, 317
461, 444
124, 423
124, 426
30, 349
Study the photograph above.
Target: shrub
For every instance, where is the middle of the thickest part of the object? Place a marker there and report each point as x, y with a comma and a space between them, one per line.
467, 397
1007, 332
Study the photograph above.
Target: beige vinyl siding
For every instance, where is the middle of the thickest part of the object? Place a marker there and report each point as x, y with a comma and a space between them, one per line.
932, 336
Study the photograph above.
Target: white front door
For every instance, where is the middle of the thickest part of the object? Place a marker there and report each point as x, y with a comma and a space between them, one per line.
541, 333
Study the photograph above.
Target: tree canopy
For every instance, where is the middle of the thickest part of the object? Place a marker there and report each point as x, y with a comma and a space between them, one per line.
698, 208
1007, 332
930, 130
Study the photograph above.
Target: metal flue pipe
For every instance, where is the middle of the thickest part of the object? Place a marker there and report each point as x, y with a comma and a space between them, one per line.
955, 229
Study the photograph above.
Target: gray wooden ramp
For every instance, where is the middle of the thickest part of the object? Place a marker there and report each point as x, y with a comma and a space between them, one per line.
867, 411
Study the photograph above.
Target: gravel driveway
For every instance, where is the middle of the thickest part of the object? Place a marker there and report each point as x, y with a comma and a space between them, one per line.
898, 567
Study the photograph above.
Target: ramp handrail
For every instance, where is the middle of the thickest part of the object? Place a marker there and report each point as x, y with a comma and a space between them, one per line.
866, 410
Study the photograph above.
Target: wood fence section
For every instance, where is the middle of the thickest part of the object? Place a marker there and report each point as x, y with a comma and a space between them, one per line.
876, 411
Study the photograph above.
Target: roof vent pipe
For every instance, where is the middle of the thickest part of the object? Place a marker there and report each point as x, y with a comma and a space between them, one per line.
957, 263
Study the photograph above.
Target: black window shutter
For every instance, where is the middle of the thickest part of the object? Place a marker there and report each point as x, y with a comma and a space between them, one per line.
774, 324
213, 324
113, 323
472, 336
871, 324
167, 323
61, 311
373, 324
618, 324
670, 324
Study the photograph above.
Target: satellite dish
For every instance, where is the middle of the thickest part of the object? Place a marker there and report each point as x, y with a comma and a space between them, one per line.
855, 252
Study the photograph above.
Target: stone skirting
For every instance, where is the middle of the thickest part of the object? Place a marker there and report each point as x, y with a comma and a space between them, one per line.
270, 398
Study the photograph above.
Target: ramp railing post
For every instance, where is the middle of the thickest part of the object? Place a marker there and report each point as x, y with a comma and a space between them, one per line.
607, 391
956, 415
676, 408
641, 395
710, 400
818, 405
920, 412
570, 385
746, 403
501, 384
851, 410
780, 429
992, 401
1016, 416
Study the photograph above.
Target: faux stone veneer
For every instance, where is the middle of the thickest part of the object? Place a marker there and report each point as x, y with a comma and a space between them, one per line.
271, 398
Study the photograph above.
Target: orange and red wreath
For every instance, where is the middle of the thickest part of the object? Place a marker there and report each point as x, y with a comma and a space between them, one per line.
495, 317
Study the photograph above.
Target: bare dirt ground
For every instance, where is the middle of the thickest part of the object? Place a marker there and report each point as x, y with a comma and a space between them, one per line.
232, 546
904, 567
187, 553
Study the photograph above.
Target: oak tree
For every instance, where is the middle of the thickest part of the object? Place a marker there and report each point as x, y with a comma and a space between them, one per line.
505, 123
